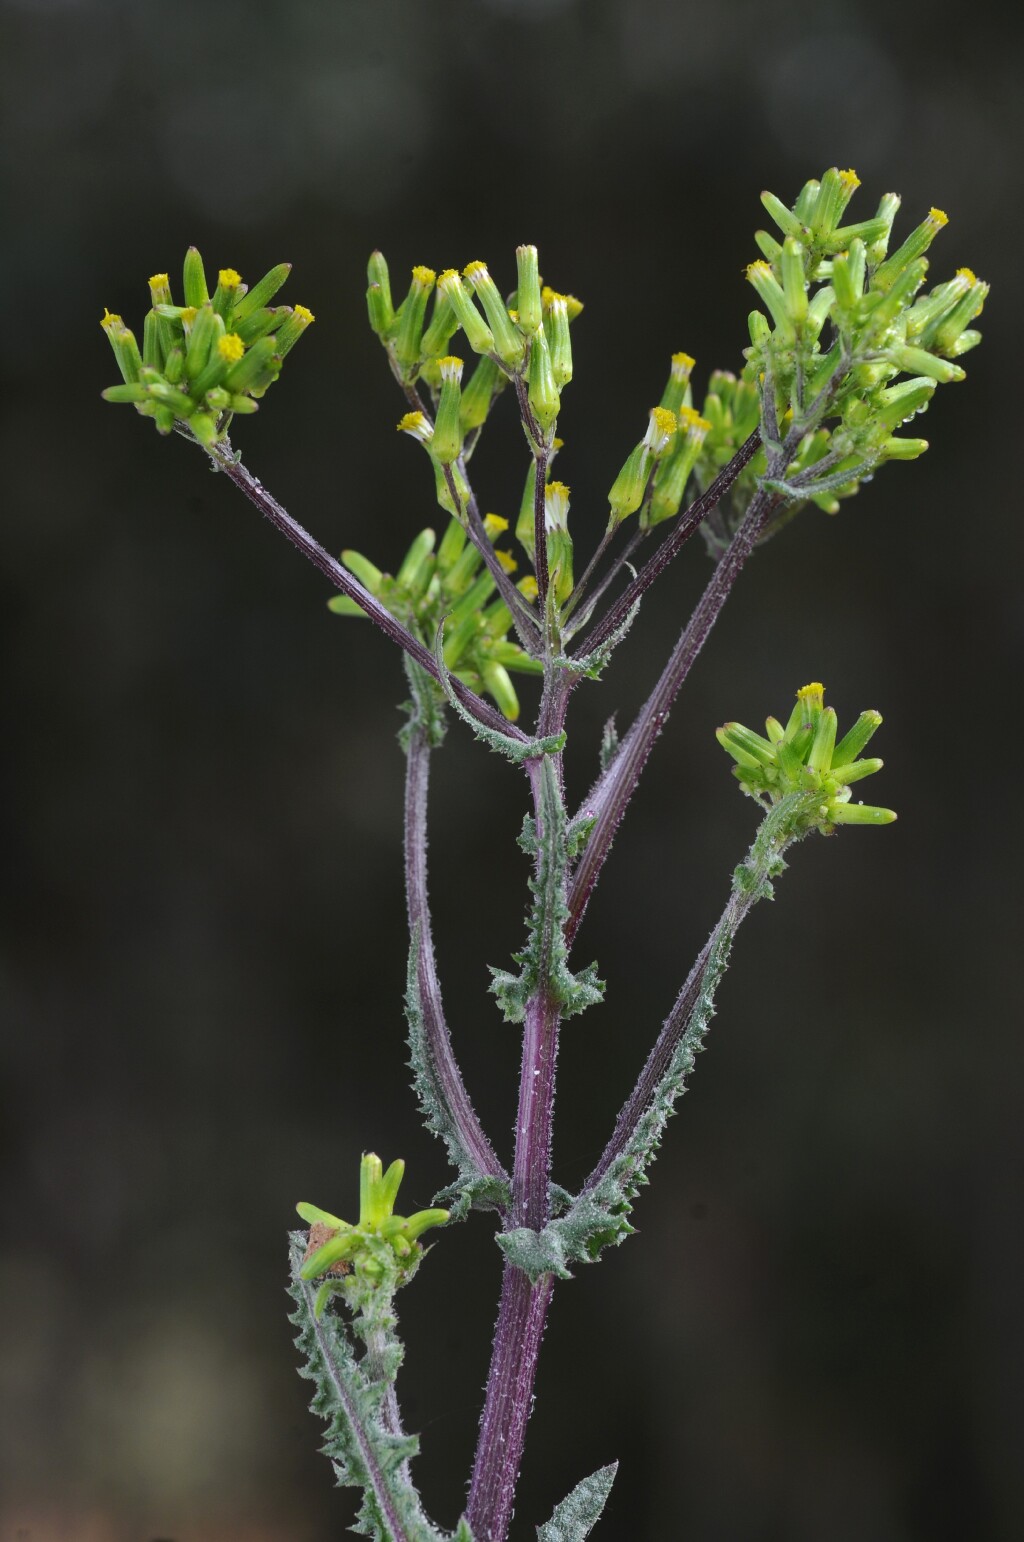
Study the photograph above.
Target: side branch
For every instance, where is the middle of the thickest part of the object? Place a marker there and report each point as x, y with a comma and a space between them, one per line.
685, 526
610, 796
349, 585
456, 1119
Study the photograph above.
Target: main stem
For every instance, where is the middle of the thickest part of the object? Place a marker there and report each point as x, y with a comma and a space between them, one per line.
522, 1311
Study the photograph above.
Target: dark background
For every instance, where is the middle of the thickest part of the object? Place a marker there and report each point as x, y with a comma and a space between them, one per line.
817, 1332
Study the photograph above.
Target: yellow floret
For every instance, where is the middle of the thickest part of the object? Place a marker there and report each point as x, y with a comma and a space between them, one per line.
682, 364
415, 423
508, 562
475, 270
495, 525
691, 420
109, 319
968, 274
938, 216
423, 276
664, 421
230, 347
815, 692
228, 278
159, 280
188, 315
850, 179
528, 588
303, 313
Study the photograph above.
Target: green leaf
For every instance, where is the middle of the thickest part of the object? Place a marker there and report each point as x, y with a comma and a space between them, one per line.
577, 1515
517, 750
351, 1394
544, 959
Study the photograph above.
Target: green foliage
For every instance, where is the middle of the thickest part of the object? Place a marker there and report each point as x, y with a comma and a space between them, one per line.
351, 1394
544, 960
578, 1514
516, 750
367, 1262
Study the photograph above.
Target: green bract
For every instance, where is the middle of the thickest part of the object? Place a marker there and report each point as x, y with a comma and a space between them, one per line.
203, 361
804, 758
380, 1250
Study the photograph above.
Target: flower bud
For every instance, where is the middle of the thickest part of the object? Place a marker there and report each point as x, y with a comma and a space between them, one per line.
206, 329
260, 294
479, 392
528, 301
410, 318
443, 325
556, 328
543, 392
446, 444
559, 541
296, 319
508, 343
228, 290
794, 283
677, 390
194, 274
256, 369
478, 333
916, 244
760, 275
126, 349
836, 190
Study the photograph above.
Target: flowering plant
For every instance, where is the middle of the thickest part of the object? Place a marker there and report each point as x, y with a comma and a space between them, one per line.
846, 345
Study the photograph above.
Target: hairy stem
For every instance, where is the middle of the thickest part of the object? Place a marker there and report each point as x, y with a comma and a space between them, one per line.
762, 861
610, 796
523, 1307
445, 1067
517, 1339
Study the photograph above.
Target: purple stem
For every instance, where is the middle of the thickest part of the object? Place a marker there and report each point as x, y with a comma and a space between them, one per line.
450, 1087
349, 585
685, 526
523, 1308
657, 1061
611, 793
517, 1339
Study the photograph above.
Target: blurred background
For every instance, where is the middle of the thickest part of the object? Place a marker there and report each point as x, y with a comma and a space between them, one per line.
817, 1331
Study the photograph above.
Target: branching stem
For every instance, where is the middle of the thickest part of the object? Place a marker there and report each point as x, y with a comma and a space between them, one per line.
348, 584
611, 794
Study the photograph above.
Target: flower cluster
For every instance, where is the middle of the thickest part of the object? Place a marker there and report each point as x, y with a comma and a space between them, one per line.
803, 758
212, 357
843, 320
381, 1249
449, 582
524, 337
